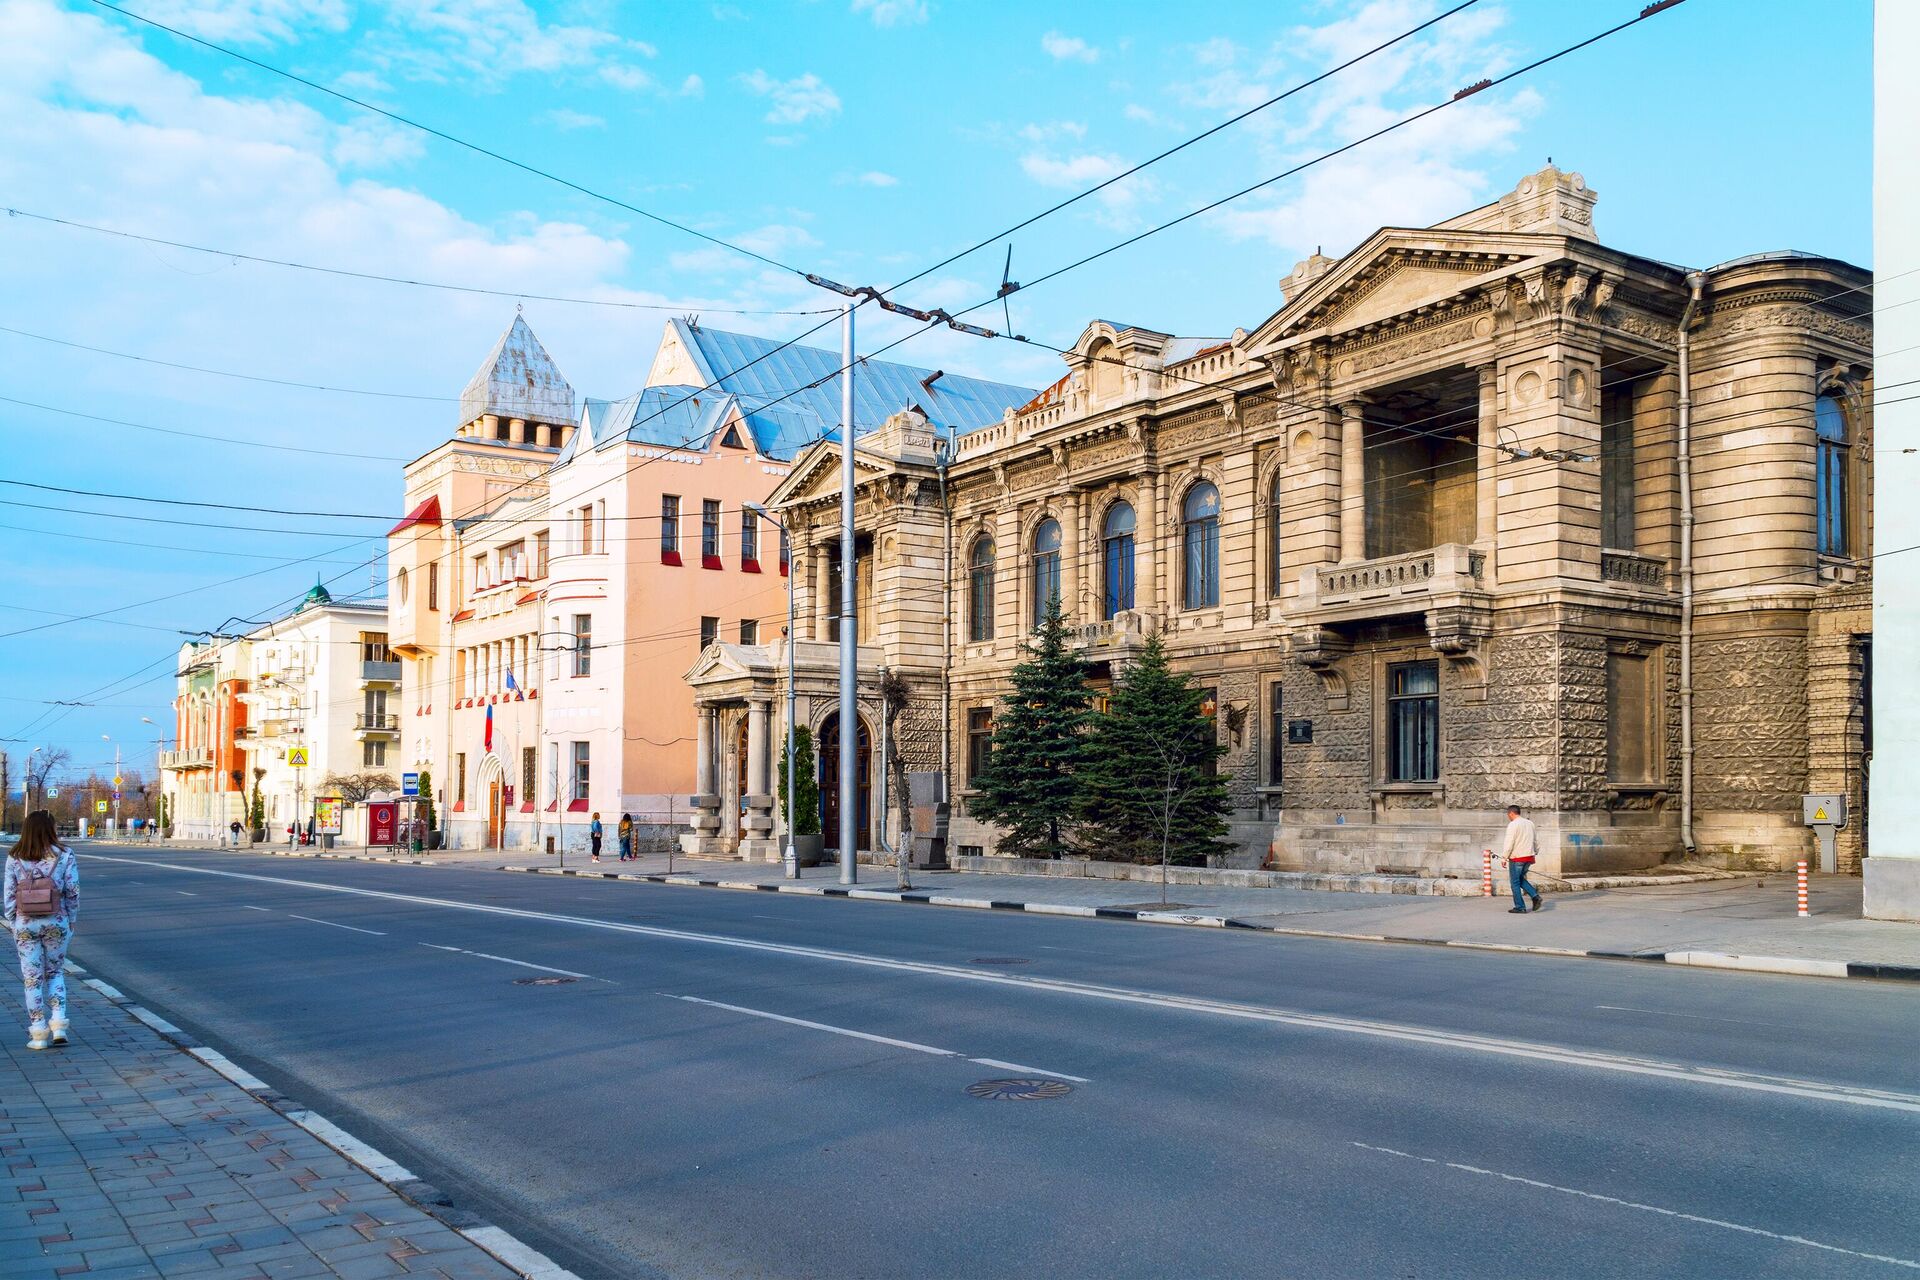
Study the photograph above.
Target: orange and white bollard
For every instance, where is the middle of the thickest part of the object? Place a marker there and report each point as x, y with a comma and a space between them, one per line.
1802, 877
1486, 873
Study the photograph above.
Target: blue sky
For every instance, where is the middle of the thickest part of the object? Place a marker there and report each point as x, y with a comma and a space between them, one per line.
863, 139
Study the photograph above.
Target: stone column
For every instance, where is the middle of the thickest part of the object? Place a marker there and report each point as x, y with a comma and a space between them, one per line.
1353, 482
1072, 539
1486, 495
703, 833
756, 834
1149, 546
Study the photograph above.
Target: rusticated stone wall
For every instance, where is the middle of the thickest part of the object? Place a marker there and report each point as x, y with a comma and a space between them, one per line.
1750, 722
1334, 770
1583, 721
1837, 715
1502, 751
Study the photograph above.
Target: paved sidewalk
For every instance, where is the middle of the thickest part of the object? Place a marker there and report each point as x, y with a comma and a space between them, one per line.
122, 1156
1748, 918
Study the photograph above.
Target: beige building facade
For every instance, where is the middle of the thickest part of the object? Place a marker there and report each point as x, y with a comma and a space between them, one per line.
1487, 512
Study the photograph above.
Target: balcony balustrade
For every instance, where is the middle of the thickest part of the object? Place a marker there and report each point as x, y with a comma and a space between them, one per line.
187, 758
376, 722
372, 672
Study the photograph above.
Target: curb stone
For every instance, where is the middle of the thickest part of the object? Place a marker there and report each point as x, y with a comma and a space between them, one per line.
424, 1196
1788, 965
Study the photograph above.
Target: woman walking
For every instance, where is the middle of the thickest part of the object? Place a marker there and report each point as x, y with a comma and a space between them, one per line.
42, 902
626, 837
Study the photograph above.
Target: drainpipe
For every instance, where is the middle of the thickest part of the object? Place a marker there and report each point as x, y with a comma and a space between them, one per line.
1696, 280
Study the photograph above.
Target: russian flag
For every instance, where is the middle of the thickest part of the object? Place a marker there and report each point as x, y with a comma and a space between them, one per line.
489, 742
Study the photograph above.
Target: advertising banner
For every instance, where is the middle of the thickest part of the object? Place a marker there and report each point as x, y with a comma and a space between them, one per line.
326, 815
383, 822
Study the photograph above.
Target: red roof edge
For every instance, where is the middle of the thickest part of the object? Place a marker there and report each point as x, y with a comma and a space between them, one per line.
427, 513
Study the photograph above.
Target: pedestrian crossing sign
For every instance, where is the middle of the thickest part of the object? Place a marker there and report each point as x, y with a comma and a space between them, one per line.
296, 757
99, 806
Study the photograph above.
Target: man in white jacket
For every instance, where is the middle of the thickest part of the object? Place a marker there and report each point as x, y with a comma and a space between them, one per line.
1519, 851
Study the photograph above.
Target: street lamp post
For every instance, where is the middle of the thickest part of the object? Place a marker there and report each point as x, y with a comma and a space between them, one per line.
791, 858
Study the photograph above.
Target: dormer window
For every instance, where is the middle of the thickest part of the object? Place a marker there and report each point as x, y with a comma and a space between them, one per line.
1104, 369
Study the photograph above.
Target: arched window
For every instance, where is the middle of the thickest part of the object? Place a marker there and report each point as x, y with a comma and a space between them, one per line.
1200, 547
1116, 560
980, 592
1276, 565
1046, 568
1833, 459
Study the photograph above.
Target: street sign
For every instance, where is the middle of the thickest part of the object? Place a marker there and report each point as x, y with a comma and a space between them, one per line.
409, 784
99, 806
53, 793
296, 757
117, 780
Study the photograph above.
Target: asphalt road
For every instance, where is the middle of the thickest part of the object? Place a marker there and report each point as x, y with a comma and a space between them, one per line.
742, 1084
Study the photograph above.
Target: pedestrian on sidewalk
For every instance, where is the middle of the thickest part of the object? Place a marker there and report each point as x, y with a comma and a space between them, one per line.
1518, 849
593, 835
626, 837
42, 901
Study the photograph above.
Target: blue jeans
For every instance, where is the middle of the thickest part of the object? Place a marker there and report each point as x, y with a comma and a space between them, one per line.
1517, 878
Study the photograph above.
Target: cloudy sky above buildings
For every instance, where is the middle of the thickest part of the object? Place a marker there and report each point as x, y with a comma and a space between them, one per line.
862, 140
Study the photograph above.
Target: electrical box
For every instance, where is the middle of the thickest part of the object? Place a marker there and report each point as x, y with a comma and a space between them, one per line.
1823, 811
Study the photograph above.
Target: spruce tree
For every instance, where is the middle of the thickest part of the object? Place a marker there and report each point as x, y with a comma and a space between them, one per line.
1029, 786
1148, 788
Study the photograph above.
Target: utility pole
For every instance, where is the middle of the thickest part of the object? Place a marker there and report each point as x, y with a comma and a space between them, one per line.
849, 642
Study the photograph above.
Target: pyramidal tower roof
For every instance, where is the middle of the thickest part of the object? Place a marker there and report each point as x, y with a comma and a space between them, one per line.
518, 379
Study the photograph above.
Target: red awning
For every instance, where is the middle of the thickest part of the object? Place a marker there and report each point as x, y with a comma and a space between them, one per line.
427, 513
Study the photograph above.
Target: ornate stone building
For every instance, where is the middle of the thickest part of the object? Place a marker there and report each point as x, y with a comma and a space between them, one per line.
1444, 532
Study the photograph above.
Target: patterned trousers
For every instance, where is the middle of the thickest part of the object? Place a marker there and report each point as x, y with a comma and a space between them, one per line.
42, 945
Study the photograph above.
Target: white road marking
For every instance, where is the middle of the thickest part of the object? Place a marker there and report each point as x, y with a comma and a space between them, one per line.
1700, 1017
351, 1147
230, 1069
1644, 1208
526, 1261
250, 907
850, 1033
1814, 1090
566, 973
335, 924
183, 893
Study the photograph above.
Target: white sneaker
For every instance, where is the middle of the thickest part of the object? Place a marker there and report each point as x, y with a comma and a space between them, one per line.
37, 1036
59, 1030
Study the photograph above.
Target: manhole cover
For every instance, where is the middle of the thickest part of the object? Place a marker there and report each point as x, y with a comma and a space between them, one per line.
1001, 960
543, 982
1019, 1090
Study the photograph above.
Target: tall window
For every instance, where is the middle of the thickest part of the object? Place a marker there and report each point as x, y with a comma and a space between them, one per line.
433, 585
582, 644
582, 770
583, 524
373, 647
709, 631
1616, 469
710, 532
1276, 563
1046, 568
1276, 736
979, 741
1413, 722
460, 777
528, 762
513, 560
542, 551
670, 528
786, 551
749, 536
1116, 560
980, 592
373, 754
1833, 458
1200, 547
749, 631
479, 580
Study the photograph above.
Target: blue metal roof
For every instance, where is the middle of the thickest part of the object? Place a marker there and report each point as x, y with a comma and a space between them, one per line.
805, 383
672, 417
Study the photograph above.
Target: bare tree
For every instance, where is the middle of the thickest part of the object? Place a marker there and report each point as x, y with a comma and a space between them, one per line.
41, 766
355, 788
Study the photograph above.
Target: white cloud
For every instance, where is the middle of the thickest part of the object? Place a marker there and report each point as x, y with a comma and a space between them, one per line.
1065, 48
893, 13
1143, 115
796, 101
249, 21
775, 240
1070, 171
693, 87
626, 76
874, 178
444, 39
569, 119
1049, 131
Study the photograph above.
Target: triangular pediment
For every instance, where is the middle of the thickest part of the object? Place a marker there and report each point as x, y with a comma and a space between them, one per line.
816, 475
721, 661
1398, 270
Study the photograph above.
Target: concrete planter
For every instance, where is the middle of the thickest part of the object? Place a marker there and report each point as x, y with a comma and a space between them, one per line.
811, 850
